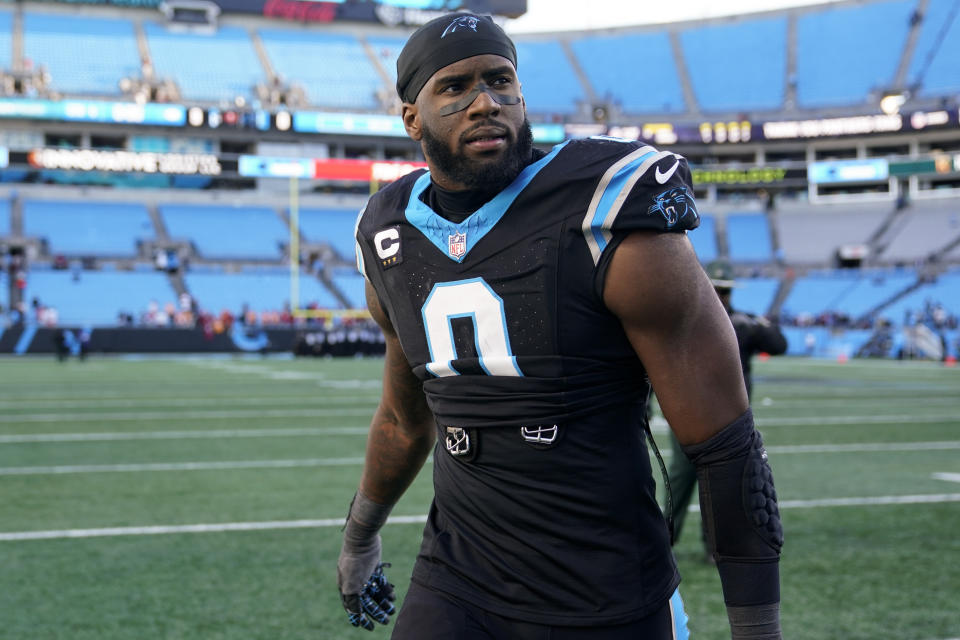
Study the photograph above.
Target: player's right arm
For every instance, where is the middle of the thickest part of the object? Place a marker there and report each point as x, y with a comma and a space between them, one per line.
400, 439
402, 431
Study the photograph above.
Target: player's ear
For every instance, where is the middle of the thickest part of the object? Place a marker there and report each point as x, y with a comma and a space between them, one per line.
410, 115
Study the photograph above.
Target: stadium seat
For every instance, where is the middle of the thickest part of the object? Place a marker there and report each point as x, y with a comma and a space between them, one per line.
81, 228
550, 84
944, 290
224, 232
96, 297
604, 57
215, 67
333, 68
266, 290
754, 295
811, 234
332, 226
6, 37
84, 55
844, 53
704, 238
387, 50
734, 67
351, 285
5, 226
934, 62
748, 237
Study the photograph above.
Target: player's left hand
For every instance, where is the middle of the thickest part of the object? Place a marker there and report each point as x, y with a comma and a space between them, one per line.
375, 600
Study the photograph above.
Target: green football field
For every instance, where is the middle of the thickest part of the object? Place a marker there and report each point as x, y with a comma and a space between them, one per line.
202, 498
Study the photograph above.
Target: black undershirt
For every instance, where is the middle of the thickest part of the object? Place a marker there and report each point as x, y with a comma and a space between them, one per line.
456, 206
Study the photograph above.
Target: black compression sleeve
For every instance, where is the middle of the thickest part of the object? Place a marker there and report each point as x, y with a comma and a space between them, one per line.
738, 504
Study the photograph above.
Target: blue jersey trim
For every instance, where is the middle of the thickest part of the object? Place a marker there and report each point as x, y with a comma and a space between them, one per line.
680, 619
438, 229
610, 195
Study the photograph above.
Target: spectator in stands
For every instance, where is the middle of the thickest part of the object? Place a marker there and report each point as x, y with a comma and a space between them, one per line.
755, 334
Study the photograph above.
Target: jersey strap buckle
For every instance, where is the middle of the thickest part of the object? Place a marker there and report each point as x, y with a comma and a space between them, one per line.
457, 442
541, 436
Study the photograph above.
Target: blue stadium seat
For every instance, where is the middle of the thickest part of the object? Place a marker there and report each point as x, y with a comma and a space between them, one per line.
754, 295
748, 237
97, 297
262, 291
844, 53
6, 37
333, 68
228, 232
387, 50
84, 55
88, 228
853, 293
655, 85
333, 226
351, 285
5, 218
738, 66
207, 67
704, 238
942, 76
550, 84
945, 290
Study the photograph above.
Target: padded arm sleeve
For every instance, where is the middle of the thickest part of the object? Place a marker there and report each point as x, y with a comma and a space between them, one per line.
738, 504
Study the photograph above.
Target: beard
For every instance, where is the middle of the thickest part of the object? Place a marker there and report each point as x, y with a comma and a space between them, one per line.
479, 175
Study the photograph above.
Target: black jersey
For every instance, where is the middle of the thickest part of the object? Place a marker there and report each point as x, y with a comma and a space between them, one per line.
544, 502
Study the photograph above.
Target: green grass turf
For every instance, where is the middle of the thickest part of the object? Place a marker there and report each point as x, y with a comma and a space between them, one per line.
871, 572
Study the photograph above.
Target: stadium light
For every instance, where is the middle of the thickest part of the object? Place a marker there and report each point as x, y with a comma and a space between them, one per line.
891, 102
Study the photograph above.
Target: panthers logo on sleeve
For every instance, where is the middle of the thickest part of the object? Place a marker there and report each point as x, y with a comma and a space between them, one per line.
674, 205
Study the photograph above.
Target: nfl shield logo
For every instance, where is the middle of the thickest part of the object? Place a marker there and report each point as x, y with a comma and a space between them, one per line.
457, 245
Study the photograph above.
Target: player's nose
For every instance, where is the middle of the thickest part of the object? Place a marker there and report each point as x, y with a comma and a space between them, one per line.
483, 105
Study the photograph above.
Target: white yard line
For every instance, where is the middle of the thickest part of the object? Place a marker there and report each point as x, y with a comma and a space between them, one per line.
137, 416
162, 403
949, 477
212, 434
180, 466
338, 522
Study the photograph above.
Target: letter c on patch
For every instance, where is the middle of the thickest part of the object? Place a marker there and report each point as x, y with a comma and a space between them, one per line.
387, 243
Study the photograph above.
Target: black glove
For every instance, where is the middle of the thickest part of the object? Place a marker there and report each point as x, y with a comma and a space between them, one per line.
374, 600
364, 590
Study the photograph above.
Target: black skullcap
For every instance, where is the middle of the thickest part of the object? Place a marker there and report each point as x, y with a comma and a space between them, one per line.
446, 40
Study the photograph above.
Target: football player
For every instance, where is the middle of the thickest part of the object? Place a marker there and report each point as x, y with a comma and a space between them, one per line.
529, 299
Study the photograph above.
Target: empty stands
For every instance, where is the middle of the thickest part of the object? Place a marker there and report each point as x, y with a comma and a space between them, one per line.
811, 234
261, 289
5, 223
654, 86
351, 285
924, 230
945, 290
333, 68
934, 64
332, 226
754, 295
212, 67
6, 37
748, 237
65, 45
225, 232
550, 83
79, 228
97, 297
738, 66
844, 53
704, 238
852, 293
